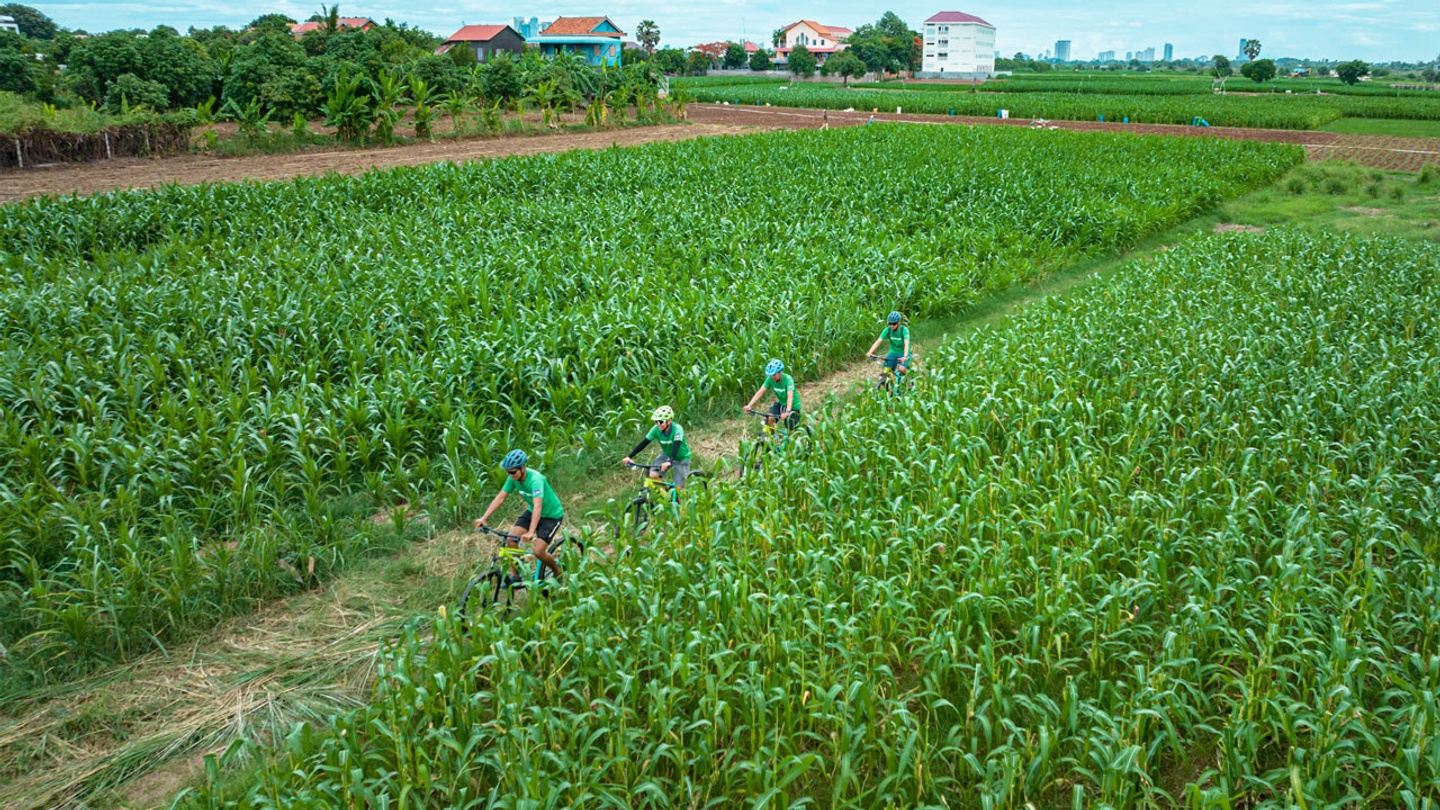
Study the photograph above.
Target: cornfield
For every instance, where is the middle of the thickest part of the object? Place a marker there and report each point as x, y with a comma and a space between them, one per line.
1169, 542
1272, 111
205, 392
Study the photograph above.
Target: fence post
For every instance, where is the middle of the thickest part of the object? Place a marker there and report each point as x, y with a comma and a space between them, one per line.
19, 155
109, 155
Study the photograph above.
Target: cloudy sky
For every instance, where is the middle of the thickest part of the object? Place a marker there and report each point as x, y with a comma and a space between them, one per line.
1375, 30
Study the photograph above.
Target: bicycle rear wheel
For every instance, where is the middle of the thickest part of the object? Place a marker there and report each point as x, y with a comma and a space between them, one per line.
754, 457
635, 519
799, 442
698, 480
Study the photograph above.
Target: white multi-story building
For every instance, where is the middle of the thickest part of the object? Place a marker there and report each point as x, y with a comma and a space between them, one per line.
8, 24
957, 45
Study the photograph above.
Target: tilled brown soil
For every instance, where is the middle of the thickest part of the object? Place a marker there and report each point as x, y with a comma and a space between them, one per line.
1408, 154
92, 178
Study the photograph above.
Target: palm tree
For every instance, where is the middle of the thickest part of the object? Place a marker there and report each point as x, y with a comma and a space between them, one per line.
648, 33
1252, 49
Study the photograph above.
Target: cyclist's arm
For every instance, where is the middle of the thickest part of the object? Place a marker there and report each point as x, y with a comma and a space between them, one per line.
873, 347
535, 514
644, 443
755, 398
907, 345
790, 399
490, 510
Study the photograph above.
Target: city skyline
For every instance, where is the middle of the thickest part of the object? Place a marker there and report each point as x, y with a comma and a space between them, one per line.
1375, 30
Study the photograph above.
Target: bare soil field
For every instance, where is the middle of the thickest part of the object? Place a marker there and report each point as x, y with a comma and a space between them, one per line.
1405, 154
93, 178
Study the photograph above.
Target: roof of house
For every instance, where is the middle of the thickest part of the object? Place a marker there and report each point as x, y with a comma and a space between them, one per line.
343, 22
479, 33
581, 26
833, 30
957, 17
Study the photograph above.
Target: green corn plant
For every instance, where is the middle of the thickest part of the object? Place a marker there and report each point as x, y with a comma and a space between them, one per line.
186, 402
456, 105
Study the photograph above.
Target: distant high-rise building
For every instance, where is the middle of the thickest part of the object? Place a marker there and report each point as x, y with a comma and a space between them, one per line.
1147, 55
529, 29
1062, 50
1106, 56
1243, 42
1129, 55
1169, 52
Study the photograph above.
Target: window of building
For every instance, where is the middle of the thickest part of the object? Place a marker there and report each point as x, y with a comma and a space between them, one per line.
944, 42
944, 29
942, 55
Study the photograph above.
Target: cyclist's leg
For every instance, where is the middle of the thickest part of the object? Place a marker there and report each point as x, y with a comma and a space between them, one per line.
540, 545
522, 525
773, 415
679, 471
794, 420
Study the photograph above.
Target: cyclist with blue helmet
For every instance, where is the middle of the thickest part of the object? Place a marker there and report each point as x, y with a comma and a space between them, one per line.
787, 394
897, 357
543, 514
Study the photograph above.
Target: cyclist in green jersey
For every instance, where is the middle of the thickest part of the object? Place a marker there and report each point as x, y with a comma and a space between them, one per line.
897, 358
543, 514
674, 450
787, 394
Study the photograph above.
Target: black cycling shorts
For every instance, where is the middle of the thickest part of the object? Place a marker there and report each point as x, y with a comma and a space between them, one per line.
545, 531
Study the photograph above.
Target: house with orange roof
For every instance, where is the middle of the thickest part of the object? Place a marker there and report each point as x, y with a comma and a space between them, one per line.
596, 38
485, 41
343, 24
821, 40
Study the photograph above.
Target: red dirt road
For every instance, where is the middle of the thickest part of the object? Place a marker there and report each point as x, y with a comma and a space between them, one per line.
1406, 154
128, 173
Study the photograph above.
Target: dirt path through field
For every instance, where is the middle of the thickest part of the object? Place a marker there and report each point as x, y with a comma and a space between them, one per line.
134, 735
127, 173
1402, 154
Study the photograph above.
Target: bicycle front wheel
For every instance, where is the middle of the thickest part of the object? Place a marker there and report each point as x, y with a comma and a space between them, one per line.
635, 519
754, 457
481, 593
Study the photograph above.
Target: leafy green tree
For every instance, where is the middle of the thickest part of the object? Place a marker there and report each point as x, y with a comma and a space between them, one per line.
186, 70
269, 24
698, 62
1259, 71
17, 65
98, 61
886, 45
802, 62
500, 78
647, 33
440, 73
262, 61
294, 92
1351, 72
670, 60
1222, 67
760, 60
31, 21
129, 91
734, 56
846, 65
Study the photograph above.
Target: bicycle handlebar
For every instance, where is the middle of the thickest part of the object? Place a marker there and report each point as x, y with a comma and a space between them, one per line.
651, 467
498, 533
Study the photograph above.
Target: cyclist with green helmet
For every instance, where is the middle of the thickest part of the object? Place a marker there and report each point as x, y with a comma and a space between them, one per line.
897, 358
674, 450
543, 514
787, 394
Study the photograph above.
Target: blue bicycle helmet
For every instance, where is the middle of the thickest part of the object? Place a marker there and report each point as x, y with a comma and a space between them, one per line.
514, 460
774, 367
893, 319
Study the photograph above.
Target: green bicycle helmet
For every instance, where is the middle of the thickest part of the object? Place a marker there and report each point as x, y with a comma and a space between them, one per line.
774, 367
662, 414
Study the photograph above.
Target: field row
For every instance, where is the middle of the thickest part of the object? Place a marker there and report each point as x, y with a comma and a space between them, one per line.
1262, 111
205, 392
1172, 541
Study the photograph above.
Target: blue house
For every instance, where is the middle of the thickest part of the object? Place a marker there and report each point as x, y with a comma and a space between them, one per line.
595, 38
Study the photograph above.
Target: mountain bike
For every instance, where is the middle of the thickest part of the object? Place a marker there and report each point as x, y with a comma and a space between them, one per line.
893, 380
500, 584
654, 492
776, 438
